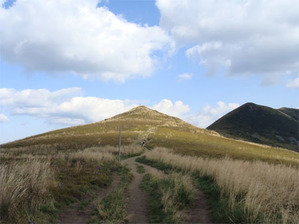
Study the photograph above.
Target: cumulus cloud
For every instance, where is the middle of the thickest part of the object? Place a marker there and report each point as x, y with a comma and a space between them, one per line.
3, 118
66, 106
69, 107
185, 76
239, 37
77, 36
177, 109
294, 83
210, 114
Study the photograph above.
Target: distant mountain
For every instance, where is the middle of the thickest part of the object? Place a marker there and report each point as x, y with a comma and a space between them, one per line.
137, 123
261, 124
157, 130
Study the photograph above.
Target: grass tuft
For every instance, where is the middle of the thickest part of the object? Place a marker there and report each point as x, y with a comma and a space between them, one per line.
252, 191
140, 168
25, 187
167, 196
112, 209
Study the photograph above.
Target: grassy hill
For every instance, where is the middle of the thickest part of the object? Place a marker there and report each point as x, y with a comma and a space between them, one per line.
293, 113
139, 123
159, 130
261, 124
55, 176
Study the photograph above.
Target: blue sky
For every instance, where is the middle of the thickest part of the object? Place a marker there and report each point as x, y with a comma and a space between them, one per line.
71, 62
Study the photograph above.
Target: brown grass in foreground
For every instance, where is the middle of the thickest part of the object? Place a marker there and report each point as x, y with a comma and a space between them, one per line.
265, 191
28, 176
24, 186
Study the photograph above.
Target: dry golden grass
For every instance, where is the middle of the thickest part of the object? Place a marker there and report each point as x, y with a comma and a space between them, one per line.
24, 186
92, 155
102, 153
263, 190
125, 150
168, 195
27, 175
178, 184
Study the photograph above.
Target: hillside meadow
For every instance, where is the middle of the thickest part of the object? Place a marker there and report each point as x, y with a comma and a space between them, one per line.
158, 130
213, 145
37, 182
256, 191
41, 174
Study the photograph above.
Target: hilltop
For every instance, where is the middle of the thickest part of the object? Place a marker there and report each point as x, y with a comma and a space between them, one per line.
158, 130
137, 123
76, 165
261, 124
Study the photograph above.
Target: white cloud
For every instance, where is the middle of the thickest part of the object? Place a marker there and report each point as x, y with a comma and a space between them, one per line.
210, 114
294, 83
69, 107
239, 37
64, 107
177, 109
3, 118
185, 76
77, 36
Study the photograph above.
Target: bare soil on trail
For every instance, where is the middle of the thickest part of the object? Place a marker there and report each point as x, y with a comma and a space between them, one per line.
137, 201
74, 215
199, 211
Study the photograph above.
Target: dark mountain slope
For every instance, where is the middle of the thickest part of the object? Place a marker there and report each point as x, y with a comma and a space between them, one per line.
293, 113
158, 130
261, 124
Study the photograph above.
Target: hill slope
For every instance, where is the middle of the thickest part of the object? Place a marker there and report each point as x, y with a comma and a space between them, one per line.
261, 124
139, 123
159, 130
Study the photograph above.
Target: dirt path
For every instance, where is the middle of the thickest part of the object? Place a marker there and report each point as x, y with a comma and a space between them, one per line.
199, 212
137, 203
73, 214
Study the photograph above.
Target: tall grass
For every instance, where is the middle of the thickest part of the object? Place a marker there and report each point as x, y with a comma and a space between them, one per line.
168, 195
112, 208
32, 178
265, 192
92, 154
126, 150
24, 186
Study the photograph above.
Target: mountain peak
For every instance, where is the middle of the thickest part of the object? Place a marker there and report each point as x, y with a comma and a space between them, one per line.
140, 121
139, 112
250, 107
140, 109
261, 124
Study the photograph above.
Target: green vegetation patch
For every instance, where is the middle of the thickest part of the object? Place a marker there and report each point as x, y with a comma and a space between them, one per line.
77, 177
140, 168
167, 197
207, 146
39, 189
112, 209
220, 211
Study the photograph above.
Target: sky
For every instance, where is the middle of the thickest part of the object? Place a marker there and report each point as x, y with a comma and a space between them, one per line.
72, 62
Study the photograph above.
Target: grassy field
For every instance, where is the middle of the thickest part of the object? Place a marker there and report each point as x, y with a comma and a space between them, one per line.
168, 196
255, 191
36, 183
158, 130
208, 145
56, 168
112, 209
